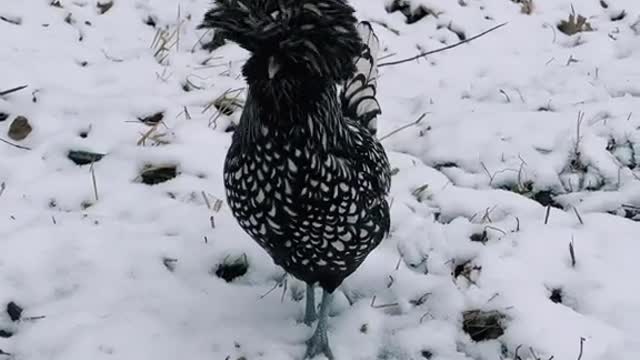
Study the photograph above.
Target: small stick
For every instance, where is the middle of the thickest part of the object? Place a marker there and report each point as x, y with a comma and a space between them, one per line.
533, 353
575, 210
277, 284
484, 167
284, 289
572, 253
193, 49
516, 356
505, 95
206, 200
546, 216
178, 29
413, 123
495, 229
15, 89
582, 340
95, 185
424, 316
443, 48
495, 296
373, 300
3, 186
15, 145
111, 58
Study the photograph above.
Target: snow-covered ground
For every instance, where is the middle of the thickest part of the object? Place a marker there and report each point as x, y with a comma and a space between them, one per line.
112, 268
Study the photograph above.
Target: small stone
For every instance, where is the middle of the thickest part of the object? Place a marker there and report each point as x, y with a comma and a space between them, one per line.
3, 116
483, 325
19, 128
104, 6
426, 354
230, 270
84, 157
155, 175
546, 198
152, 119
482, 237
150, 21
170, 263
14, 311
556, 296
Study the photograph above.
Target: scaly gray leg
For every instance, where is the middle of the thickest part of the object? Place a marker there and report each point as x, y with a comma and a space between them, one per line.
310, 311
319, 341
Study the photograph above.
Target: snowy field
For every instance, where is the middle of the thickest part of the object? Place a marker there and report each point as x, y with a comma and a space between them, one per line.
529, 142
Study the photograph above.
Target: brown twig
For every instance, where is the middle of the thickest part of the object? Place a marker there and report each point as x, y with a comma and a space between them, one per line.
495, 229
399, 262
111, 58
15, 145
373, 304
93, 180
572, 253
442, 48
278, 283
546, 216
575, 210
516, 356
15, 89
413, 123
582, 340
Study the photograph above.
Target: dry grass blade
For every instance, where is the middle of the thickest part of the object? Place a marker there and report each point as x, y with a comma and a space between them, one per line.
164, 41
158, 138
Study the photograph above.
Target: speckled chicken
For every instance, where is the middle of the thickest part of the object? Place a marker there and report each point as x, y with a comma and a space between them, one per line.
305, 175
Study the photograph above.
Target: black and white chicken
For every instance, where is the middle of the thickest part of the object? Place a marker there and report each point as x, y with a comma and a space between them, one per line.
305, 176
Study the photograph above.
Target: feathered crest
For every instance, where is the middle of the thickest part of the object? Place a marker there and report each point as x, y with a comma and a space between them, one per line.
317, 36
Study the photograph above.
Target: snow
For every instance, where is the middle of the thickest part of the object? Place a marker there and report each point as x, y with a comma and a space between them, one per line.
505, 117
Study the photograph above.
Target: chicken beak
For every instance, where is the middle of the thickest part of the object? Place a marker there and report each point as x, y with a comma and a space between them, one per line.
274, 67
